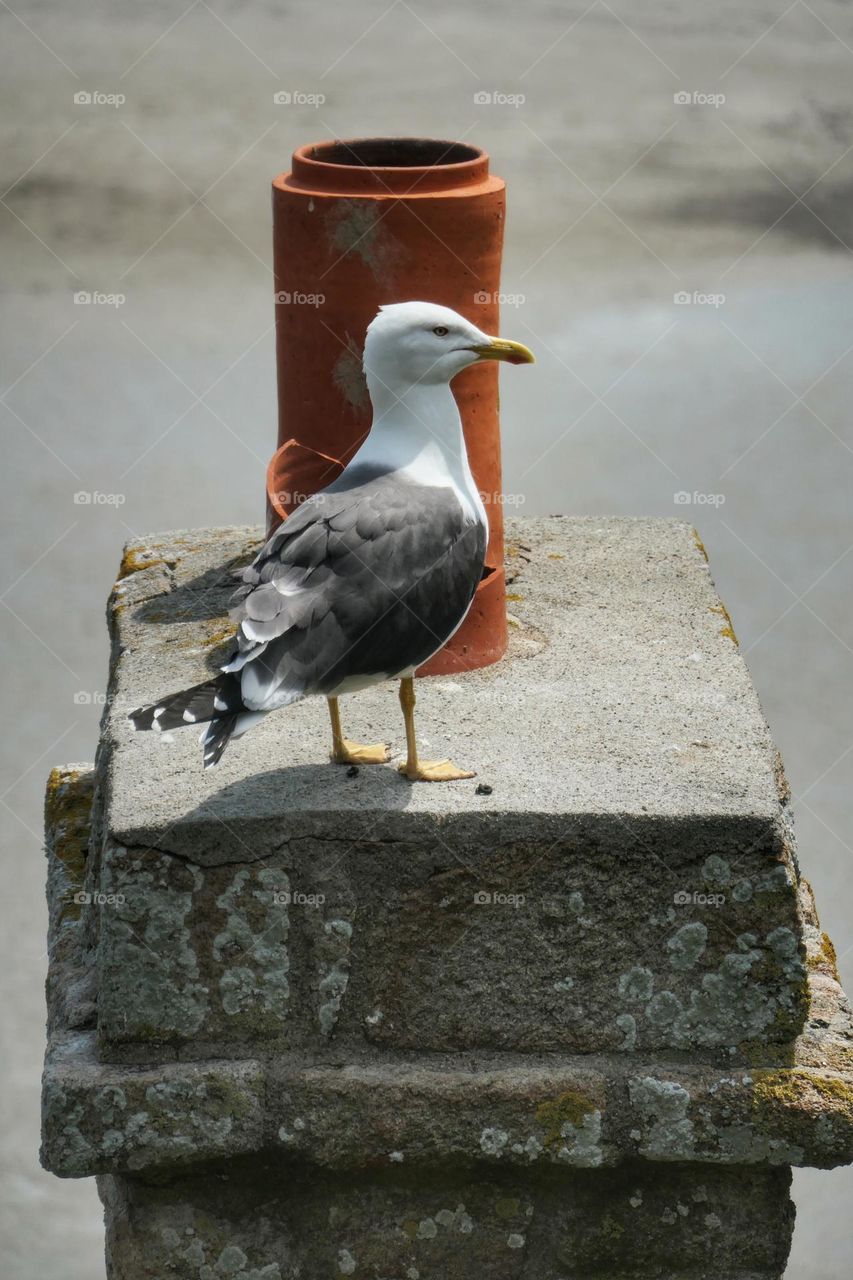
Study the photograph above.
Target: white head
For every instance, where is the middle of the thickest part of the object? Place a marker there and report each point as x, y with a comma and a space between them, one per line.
411, 343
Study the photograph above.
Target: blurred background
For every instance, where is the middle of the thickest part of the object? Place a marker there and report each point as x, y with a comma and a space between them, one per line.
678, 254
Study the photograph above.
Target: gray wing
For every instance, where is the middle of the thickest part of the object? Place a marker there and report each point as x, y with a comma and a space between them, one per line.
366, 578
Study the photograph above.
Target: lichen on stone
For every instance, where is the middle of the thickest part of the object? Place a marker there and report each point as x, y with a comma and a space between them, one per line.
687, 944
824, 958
755, 992
346, 1262
571, 1125
663, 1105
742, 890
571, 1107
493, 1141
250, 949
637, 984
155, 990
67, 817
627, 1024
332, 987
716, 871
137, 558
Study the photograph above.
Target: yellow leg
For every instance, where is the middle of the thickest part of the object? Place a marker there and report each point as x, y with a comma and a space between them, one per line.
346, 752
423, 770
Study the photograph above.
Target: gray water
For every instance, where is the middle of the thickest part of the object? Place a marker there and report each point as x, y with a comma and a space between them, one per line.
620, 198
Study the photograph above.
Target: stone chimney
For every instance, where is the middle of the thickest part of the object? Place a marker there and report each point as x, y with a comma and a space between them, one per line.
579, 1021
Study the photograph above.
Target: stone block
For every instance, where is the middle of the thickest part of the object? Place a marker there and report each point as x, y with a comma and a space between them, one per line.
258, 1222
580, 1025
628, 885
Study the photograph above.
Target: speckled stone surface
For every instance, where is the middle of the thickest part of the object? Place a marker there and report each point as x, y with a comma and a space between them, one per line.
360, 1027
621, 733
623, 696
451, 1224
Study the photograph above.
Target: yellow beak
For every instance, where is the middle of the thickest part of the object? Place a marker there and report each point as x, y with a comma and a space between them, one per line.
503, 349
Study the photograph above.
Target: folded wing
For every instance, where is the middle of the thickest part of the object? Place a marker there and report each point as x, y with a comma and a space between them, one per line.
366, 579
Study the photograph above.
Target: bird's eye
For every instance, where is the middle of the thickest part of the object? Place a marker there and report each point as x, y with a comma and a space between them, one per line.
440, 331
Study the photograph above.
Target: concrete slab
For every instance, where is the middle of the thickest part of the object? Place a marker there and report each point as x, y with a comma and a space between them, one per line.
623, 696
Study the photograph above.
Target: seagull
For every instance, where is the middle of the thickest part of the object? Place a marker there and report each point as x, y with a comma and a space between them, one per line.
370, 577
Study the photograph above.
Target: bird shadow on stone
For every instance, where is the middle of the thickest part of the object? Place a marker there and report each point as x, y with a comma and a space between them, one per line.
205, 597
298, 793
203, 601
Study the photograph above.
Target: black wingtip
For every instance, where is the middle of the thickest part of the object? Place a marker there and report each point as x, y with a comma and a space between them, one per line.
216, 738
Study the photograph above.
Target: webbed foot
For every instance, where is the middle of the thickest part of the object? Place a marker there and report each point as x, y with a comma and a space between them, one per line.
434, 771
347, 752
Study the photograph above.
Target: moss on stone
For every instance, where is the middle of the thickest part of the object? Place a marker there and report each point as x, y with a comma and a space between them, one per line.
824, 958
205, 633
783, 787
758, 1053
67, 816
611, 1228
135, 559
791, 1104
236, 1099
728, 630
799, 1088
221, 631
570, 1107
700, 544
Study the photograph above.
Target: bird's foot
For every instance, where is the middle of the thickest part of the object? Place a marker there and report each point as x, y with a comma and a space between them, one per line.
357, 753
434, 771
